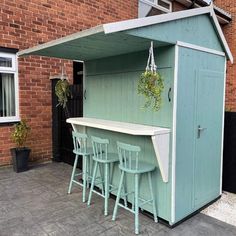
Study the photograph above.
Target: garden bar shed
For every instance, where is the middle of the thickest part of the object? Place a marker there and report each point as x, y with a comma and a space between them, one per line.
184, 138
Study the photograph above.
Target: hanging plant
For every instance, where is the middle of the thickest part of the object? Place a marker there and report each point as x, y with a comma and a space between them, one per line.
62, 91
151, 84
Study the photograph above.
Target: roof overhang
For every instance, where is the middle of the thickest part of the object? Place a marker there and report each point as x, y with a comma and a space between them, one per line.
93, 43
111, 39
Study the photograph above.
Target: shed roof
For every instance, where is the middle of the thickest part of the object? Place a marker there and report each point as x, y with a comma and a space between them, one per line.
111, 39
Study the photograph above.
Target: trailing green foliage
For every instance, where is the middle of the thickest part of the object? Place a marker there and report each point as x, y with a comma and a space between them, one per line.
20, 133
62, 91
151, 85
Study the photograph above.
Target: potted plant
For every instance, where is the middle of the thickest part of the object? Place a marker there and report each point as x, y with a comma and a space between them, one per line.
20, 154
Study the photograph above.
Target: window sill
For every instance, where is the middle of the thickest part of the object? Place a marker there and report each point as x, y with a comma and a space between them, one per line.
9, 121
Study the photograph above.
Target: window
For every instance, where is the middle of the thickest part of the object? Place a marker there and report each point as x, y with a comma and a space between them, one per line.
9, 111
154, 7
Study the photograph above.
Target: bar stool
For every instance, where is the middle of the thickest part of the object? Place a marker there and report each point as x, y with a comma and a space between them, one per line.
102, 158
80, 149
129, 163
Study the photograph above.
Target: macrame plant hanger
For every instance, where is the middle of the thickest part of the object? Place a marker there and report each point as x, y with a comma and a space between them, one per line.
63, 74
151, 66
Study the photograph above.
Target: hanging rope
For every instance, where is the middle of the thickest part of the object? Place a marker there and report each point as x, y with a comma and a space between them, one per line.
151, 66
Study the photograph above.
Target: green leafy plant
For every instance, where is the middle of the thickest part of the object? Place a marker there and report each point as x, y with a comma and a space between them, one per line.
62, 91
20, 133
151, 85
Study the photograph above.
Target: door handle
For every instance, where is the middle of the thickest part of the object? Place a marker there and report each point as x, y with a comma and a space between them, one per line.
199, 130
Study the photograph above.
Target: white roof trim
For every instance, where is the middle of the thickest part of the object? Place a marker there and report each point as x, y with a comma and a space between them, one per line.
151, 20
221, 35
80, 34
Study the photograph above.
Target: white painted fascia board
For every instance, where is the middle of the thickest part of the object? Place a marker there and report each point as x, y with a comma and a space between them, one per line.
200, 48
221, 35
223, 125
77, 35
174, 130
151, 20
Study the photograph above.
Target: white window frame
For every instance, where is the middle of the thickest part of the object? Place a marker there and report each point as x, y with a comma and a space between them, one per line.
12, 70
156, 5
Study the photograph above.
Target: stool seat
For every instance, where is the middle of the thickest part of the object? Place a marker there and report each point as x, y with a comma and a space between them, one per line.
111, 157
89, 151
143, 167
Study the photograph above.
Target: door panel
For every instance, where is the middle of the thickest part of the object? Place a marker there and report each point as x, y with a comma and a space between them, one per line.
208, 135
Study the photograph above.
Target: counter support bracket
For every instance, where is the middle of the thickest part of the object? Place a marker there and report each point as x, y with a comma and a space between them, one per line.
161, 147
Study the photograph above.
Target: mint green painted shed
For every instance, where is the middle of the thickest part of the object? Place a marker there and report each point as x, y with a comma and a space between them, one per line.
191, 54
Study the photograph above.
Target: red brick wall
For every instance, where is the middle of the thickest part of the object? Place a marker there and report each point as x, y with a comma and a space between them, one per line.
27, 23
229, 32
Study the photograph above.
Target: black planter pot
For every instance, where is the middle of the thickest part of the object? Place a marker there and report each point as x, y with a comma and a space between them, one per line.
20, 157
229, 156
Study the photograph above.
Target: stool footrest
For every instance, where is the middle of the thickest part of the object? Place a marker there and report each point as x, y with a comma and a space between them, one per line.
100, 194
126, 194
78, 174
112, 189
76, 182
128, 209
145, 201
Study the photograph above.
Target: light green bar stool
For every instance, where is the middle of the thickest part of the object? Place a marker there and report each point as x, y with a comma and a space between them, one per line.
129, 163
102, 158
80, 149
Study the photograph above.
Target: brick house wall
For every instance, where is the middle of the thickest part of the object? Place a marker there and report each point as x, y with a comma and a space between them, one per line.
24, 24
229, 32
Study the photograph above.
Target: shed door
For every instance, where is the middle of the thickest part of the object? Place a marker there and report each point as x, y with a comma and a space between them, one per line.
208, 126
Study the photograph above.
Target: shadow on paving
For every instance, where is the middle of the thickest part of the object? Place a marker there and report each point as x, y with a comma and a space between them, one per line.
36, 203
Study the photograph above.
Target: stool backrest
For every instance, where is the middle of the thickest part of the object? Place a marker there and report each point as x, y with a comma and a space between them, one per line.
128, 156
100, 147
80, 142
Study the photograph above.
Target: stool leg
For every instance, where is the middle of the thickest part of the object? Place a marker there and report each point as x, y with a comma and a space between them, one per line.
93, 181
102, 177
125, 190
84, 177
136, 204
88, 170
73, 173
106, 188
152, 196
118, 196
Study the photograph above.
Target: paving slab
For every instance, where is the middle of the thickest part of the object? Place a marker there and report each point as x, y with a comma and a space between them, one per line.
36, 203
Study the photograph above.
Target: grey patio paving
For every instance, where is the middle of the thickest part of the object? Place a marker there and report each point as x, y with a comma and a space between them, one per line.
36, 203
